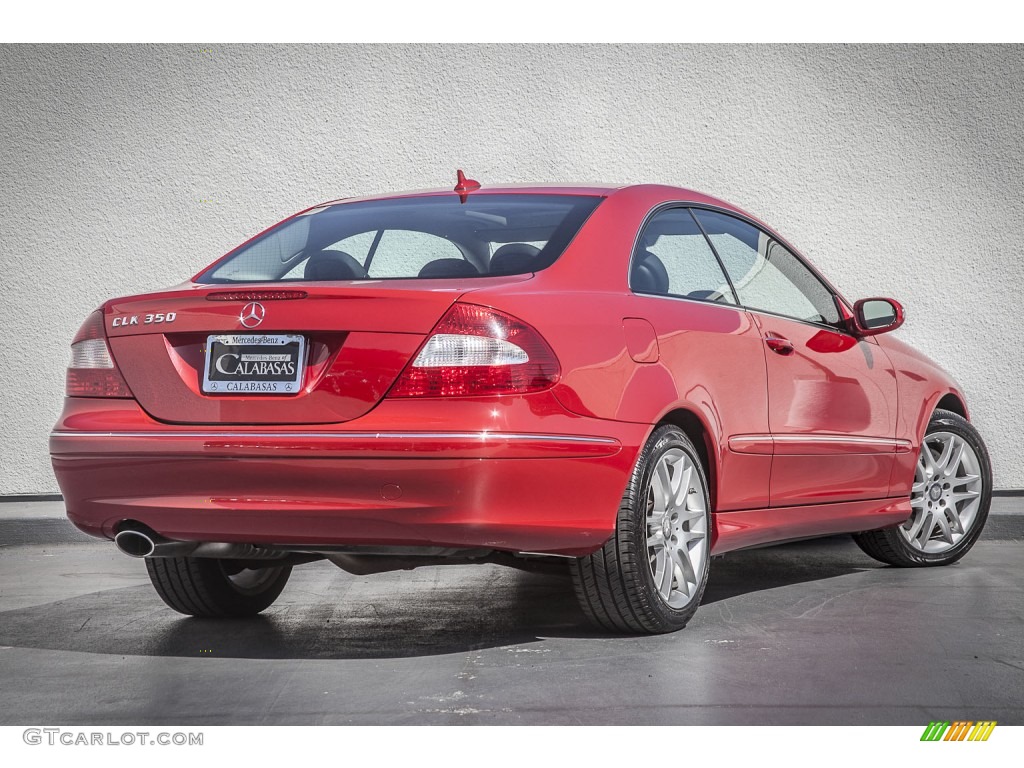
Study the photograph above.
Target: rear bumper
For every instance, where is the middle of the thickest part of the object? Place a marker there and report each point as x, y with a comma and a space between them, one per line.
514, 490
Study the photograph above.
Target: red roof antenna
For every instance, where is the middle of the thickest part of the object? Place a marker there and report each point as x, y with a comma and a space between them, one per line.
465, 186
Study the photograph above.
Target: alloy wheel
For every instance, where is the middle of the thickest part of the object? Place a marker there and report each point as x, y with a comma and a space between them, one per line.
677, 528
946, 494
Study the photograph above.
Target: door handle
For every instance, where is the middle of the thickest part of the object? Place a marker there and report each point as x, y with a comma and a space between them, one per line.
779, 344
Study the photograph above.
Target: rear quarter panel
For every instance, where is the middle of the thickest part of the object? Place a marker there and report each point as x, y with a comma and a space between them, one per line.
709, 359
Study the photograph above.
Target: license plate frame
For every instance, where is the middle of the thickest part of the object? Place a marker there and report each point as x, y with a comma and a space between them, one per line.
259, 349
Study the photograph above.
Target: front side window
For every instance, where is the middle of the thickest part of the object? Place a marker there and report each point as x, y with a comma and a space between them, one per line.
673, 258
432, 236
765, 274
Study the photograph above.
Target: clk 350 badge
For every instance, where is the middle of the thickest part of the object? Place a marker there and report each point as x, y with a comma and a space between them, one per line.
153, 319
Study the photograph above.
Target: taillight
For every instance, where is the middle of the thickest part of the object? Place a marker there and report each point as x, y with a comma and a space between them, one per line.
479, 351
92, 372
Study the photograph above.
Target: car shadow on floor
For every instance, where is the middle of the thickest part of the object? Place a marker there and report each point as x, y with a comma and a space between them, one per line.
755, 570
334, 616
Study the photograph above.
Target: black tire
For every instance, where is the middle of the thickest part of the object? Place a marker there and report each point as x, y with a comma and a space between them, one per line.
890, 546
212, 588
615, 585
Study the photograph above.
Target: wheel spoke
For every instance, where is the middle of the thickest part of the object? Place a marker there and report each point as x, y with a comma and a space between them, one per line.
690, 515
690, 540
955, 458
929, 459
663, 487
679, 499
963, 480
924, 530
916, 523
667, 575
654, 515
684, 569
954, 521
964, 495
947, 451
660, 564
943, 525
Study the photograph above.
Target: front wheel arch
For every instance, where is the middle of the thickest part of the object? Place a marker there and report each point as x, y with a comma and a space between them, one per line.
891, 546
951, 402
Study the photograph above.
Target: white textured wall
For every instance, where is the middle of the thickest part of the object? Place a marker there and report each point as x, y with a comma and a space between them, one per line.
897, 170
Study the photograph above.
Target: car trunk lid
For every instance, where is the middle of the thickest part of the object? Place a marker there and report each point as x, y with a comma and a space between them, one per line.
356, 339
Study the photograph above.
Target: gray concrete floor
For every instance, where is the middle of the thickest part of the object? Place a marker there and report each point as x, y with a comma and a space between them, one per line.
807, 633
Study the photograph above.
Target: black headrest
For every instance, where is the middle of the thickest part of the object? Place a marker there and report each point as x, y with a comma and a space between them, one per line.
449, 268
333, 265
513, 258
648, 274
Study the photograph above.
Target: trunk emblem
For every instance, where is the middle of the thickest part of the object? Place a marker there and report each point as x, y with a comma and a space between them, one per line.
252, 314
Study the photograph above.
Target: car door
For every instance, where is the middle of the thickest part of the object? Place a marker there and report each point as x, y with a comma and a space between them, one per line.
831, 396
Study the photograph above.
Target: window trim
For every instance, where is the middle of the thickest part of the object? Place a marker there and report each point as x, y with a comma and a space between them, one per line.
837, 297
705, 302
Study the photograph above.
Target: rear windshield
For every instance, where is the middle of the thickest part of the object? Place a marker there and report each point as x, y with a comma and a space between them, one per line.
415, 237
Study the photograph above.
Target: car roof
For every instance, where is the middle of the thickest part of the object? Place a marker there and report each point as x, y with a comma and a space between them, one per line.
589, 190
676, 194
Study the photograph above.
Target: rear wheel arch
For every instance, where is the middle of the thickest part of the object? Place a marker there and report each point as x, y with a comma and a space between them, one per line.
650, 575
697, 430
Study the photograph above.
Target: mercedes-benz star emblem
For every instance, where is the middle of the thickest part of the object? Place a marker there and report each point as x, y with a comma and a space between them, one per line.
252, 314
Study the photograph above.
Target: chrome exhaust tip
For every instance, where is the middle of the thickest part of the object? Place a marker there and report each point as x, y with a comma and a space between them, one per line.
136, 539
135, 543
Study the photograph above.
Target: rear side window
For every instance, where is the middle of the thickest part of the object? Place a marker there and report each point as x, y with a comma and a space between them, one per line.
416, 237
766, 275
673, 258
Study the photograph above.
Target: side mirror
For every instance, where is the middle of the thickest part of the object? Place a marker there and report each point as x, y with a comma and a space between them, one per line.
874, 316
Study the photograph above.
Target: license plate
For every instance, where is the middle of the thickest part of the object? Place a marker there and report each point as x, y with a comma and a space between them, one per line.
254, 364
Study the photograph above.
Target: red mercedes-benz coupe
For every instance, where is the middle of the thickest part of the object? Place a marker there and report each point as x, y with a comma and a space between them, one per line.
626, 380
